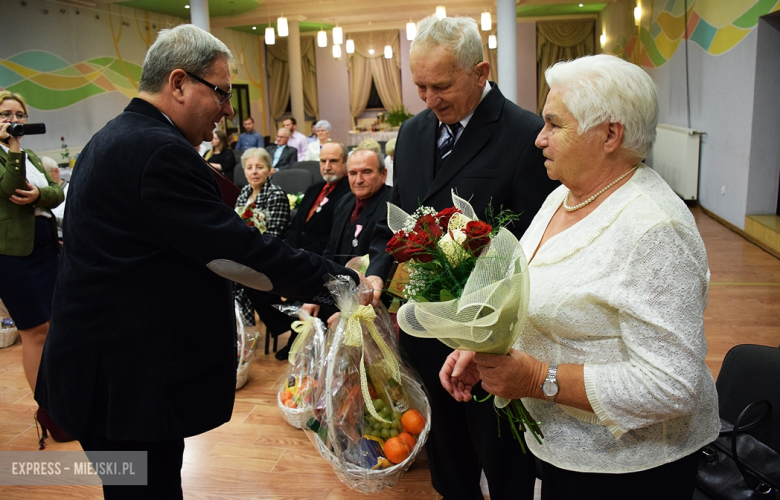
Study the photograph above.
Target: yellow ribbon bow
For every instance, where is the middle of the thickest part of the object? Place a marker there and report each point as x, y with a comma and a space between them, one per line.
304, 329
354, 338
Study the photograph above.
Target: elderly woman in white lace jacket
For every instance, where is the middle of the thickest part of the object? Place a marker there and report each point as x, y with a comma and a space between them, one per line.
611, 360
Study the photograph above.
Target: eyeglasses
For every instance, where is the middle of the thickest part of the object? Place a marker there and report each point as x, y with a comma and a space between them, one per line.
224, 96
7, 115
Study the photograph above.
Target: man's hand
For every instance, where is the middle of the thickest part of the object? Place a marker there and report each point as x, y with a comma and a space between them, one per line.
334, 319
377, 285
459, 375
312, 309
25, 197
513, 376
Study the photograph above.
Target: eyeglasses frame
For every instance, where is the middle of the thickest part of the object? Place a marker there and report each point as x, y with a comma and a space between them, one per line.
12, 114
225, 96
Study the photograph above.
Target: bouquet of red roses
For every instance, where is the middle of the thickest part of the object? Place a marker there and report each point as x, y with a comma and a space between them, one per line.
467, 287
252, 215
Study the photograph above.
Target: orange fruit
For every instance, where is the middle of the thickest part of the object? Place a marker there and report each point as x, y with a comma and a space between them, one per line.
408, 439
413, 422
285, 396
290, 404
396, 450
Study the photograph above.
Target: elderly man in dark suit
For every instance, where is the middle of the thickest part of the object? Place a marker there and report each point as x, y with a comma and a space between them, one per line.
474, 141
282, 155
142, 349
358, 212
311, 226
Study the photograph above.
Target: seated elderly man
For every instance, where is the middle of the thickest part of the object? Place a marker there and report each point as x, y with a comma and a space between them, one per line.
322, 129
282, 154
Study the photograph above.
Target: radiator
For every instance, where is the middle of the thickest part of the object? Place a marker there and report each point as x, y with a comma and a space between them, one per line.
676, 159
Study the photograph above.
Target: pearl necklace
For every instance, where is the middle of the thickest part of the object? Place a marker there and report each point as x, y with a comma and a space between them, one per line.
577, 207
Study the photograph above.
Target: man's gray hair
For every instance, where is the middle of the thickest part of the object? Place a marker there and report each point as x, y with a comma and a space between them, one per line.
260, 153
49, 164
184, 47
322, 124
604, 88
380, 158
289, 134
459, 34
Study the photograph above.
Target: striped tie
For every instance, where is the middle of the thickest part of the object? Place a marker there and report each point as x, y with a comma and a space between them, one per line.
445, 148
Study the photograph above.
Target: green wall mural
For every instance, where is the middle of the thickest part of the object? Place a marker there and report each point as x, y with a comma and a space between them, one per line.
716, 26
48, 82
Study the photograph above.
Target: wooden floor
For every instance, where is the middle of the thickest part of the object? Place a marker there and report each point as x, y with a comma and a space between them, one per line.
258, 455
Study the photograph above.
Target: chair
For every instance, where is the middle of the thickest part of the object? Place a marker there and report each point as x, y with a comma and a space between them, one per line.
239, 178
750, 373
311, 166
293, 181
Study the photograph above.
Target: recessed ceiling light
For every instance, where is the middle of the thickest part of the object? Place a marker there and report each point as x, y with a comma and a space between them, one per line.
254, 27
581, 5
187, 6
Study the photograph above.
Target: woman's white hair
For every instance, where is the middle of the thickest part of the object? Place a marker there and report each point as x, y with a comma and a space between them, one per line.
260, 153
604, 88
459, 34
184, 47
322, 124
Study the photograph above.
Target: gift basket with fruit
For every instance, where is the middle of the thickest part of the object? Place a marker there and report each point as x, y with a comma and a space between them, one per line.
372, 415
296, 393
8, 331
246, 337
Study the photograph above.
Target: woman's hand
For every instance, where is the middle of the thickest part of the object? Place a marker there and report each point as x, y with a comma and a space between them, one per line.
10, 140
459, 375
25, 197
513, 376
312, 309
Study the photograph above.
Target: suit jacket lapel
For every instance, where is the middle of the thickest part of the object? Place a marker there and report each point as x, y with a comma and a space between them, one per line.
474, 137
426, 147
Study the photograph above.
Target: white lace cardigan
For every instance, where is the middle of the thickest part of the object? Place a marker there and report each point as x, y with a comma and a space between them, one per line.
623, 292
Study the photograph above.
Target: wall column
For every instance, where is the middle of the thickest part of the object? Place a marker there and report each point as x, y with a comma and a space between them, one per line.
199, 14
506, 27
296, 73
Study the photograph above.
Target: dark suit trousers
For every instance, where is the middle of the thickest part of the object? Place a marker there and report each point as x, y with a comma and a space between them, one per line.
455, 460
164, 461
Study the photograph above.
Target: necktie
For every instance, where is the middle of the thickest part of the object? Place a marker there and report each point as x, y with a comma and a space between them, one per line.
277, 154
324, 192
359, 206
446, 145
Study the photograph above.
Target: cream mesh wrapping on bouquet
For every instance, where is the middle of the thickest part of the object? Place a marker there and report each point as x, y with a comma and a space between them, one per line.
491, 311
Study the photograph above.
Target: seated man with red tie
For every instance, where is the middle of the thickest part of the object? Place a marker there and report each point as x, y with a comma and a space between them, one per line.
357, 213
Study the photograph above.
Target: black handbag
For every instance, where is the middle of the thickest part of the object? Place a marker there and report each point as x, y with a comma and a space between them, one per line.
737, 466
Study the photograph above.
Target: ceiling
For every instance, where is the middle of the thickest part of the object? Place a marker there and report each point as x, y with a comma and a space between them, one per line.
354, 15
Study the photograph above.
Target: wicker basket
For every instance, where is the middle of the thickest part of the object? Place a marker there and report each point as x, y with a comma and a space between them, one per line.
8, 337
373, 481
297, 417
242, 375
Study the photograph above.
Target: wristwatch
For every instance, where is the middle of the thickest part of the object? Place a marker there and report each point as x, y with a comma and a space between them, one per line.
550, 385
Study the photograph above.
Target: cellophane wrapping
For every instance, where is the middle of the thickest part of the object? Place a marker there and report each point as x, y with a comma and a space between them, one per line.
348, 397
295, 396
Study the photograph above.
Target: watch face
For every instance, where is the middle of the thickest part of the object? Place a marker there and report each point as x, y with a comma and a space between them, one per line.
549, 388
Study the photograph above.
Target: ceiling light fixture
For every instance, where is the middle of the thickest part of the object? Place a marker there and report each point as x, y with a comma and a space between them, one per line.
582, 5
486, 21
637, 15
411, 30
603, 40
441, 12
270, 39
322, 38
350, 46
492, 42
371, 51
338, 36
388, 52
187, 6
254, 27
281, 26
337, 51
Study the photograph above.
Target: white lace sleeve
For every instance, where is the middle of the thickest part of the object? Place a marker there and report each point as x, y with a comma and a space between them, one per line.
660, 297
